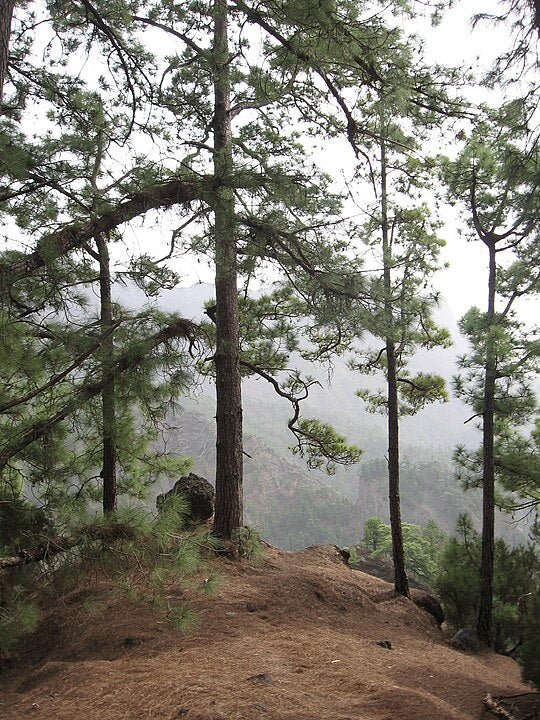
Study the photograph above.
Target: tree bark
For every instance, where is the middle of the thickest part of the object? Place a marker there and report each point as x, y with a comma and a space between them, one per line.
485, 607
229, 501
401, 583
108, 407
6, 13
77, 233
536, 14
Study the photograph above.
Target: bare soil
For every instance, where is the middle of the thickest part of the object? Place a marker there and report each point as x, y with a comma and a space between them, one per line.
292, 638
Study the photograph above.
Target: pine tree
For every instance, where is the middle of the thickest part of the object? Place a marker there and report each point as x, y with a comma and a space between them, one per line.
496, 175
51, 346
6, 12
229, 475
403, 238
274, 213
517, 468
515, 580
108, 409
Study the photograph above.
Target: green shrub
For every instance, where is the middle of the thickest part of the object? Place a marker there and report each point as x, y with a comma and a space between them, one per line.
529, 653
516, 574
421, 546
21, 524
18, 617
144, 559
248, 543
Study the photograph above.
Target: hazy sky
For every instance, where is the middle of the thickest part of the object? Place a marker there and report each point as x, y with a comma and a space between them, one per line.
453, 42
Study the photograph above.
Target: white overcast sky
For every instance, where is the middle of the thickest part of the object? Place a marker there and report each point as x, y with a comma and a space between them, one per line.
454, 42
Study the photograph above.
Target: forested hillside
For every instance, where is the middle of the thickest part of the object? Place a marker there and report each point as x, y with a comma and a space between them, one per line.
294, 507
328, 167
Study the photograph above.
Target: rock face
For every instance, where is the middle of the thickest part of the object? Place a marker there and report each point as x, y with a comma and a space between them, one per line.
198, 491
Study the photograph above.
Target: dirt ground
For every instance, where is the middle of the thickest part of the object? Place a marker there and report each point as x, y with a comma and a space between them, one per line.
292, 638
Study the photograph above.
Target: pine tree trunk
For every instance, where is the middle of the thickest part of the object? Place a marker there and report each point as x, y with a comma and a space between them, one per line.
485, 608
401, 583
6, 12
229, 501
108, 409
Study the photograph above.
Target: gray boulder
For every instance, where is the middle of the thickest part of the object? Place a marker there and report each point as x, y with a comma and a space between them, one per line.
467, 640
198, 491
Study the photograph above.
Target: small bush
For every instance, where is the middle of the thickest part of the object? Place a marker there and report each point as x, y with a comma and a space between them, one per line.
143, 559
516, 576
529, 653
21, 524
18, 617
248, 543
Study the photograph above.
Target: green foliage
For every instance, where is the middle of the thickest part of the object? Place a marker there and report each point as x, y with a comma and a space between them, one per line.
528, 652
420, 390
21, 524
402, 234
458, 578
271, 328
517, 574
422, 546
18, 617
143, 559
55, 468
320, 444
517, 462
172, 516
248, 545
93, 607
211, 583
182, 618
377, 537
496, 175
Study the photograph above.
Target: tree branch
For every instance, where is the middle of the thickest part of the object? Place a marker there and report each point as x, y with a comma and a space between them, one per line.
166, 28
49, 547
76, 234
130, 358
55, 379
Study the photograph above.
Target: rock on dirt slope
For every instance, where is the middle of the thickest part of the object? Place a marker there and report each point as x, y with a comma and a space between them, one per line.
293, 638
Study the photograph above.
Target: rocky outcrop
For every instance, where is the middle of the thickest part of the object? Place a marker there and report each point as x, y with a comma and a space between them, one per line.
428, 602
466, 640
198, 491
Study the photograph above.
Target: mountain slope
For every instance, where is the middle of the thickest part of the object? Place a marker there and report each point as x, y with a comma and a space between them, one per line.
295, 507
293, 638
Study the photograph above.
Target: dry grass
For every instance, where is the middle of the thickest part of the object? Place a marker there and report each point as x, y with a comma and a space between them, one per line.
294, 638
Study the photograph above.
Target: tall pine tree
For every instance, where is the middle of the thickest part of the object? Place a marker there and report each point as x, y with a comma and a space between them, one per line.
498, 177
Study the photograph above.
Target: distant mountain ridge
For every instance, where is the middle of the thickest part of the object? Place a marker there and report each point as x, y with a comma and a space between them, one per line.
294, 506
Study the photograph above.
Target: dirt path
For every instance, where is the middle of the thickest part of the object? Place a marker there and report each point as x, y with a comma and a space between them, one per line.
294, 638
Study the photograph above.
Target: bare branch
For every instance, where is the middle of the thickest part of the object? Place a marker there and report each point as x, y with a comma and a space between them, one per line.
171, 31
